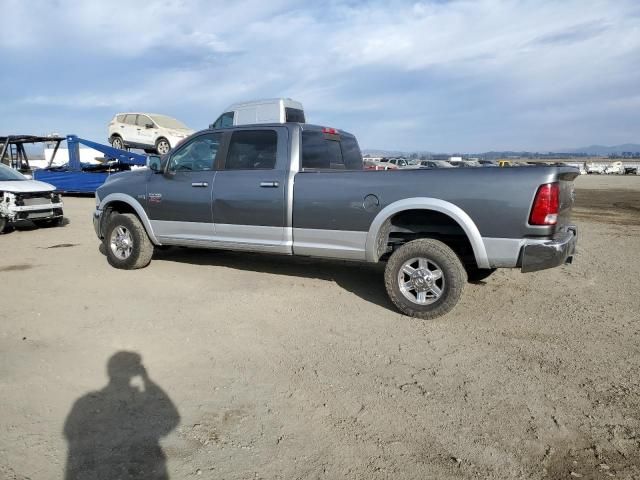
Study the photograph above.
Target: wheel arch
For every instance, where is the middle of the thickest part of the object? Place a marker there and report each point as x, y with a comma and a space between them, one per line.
378, 232
123, 203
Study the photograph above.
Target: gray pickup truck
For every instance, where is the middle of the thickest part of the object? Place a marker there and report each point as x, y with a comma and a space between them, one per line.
299, 189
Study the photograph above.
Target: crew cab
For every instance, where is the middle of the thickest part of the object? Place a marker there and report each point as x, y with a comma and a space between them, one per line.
300, 189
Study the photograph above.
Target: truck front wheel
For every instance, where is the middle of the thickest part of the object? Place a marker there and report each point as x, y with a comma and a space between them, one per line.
126, 242
424, 278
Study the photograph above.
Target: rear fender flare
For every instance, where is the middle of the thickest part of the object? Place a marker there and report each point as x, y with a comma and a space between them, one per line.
133, 203
427, 203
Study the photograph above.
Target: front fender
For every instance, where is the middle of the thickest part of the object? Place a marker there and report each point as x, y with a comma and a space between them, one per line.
133, 203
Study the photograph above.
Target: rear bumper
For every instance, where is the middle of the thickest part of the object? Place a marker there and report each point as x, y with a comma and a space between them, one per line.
550, 253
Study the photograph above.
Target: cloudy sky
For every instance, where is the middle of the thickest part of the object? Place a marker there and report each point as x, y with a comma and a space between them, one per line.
433, 75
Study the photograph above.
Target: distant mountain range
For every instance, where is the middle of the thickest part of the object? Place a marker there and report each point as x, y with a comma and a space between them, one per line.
604, 150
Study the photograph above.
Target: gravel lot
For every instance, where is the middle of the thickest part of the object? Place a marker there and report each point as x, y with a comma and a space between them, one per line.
274, 367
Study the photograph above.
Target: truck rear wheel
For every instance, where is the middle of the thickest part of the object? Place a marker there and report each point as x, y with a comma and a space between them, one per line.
424, 278
126, 242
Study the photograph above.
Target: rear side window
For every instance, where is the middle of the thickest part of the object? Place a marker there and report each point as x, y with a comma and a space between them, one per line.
294, 115
252, 150
130, 119
351, 153
327, 151
120, 118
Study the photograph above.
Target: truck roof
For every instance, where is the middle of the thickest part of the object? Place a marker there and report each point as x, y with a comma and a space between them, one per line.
304, 126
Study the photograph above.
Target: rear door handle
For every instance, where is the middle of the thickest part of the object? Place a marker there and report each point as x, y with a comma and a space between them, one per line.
199, 184
269, 184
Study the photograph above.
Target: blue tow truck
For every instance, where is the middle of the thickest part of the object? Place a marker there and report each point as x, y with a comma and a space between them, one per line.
78, 177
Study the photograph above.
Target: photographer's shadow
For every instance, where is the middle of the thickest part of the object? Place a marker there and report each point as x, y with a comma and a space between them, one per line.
114, 433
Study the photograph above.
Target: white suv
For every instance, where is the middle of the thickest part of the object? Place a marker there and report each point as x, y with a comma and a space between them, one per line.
148, 131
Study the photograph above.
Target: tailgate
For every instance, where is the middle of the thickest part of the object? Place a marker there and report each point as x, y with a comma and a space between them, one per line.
567, 196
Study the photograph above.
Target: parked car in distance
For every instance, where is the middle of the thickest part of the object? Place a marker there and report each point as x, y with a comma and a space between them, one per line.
488, 163
151, 132
630, 170
596, 168
402, 163
369, 164
271, 110
615, 168
300, 189
435, 164
25, 199
466, 164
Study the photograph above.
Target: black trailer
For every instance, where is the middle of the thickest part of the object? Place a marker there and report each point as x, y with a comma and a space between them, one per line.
14, 155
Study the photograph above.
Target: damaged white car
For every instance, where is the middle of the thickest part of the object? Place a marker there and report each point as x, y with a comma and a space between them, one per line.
24, 199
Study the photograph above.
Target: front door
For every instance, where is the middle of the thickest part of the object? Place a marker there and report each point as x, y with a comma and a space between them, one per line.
144, 135
250, 190
179, 198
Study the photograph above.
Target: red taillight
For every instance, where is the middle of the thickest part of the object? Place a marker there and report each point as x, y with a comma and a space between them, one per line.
546, 205
330, 131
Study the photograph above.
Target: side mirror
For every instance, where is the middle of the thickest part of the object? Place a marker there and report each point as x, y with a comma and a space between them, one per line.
154, 163
149, 125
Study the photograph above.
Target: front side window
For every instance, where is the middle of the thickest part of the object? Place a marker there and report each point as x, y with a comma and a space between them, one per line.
143, 121
225, 120
294, 115
252, 150
197, 155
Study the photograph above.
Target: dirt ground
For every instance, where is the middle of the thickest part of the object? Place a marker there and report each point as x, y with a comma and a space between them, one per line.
271, 367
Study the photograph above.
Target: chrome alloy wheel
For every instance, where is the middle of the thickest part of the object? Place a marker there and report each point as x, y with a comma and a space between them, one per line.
421, 281
121, 242
163, 147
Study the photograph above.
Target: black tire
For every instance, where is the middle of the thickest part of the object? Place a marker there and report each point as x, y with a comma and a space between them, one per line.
475, 274
450, 283
117, 142
136, 252
162, 146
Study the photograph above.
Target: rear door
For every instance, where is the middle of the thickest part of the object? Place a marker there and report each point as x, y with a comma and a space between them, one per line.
179, 199
250, 190
332, 206
128, 128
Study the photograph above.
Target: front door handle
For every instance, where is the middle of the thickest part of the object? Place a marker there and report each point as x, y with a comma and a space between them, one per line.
199, 184
269, 184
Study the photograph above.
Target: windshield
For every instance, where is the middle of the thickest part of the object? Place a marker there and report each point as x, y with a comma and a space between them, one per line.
168, 122
7, 174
